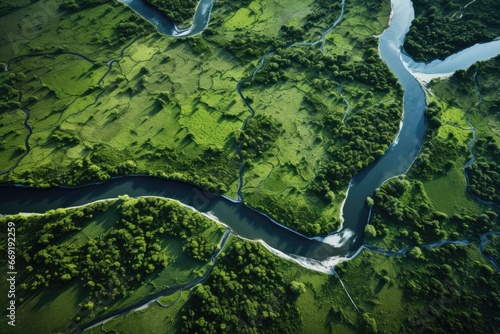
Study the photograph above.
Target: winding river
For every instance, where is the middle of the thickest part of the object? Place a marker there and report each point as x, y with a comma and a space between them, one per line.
315, 253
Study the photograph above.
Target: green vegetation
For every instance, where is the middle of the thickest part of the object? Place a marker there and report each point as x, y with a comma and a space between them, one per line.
440, 290
404, 216
439, 152
169, 107
257, 137
7, 6
302, 177
434, 285
460, 98
442, 28
178, 11
447, 289
245, 293
106, 260
492, 248
155, 319
77, 5
87, 128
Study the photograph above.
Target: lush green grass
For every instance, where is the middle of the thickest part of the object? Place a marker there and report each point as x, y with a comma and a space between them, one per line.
155, 319
448, 193
14, 134
47, 312
267, 17
131, 123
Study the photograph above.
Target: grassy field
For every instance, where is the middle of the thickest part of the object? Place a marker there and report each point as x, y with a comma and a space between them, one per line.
449, 193
155, 319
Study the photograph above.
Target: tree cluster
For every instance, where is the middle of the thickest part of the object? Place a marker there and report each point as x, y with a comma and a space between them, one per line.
246, 293
403, 216
455, 300
258, 136
114, 263
130, 28
179, 11
443, 28
212, 170
414, 223
484, 178
437, 155
371, 70
77, 5
492, 247
9, 94
246, 46
359, 141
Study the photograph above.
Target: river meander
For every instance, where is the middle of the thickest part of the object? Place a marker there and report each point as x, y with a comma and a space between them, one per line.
316, 253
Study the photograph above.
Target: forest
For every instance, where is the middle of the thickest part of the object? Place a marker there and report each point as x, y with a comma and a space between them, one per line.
246, 293
442, 28
404, 216
116, 260
56, 249
179, 11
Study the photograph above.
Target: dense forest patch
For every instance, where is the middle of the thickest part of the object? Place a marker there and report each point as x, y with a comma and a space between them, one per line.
442, 28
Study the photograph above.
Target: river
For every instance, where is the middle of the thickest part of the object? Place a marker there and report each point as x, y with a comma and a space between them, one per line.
315, 253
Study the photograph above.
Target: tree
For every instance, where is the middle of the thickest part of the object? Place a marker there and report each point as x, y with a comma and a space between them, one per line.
370, 231
370, 325
297, 287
